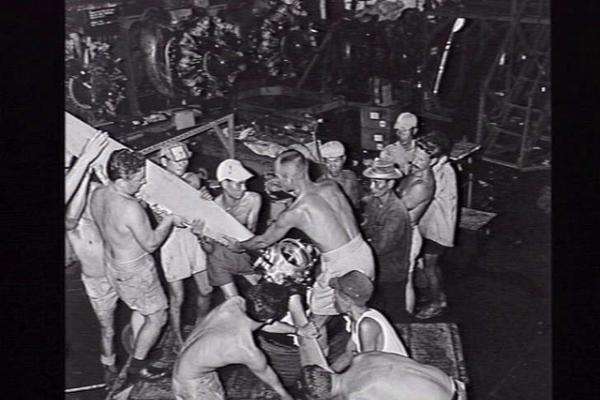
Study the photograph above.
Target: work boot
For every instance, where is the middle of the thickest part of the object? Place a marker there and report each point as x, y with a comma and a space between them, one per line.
110, 373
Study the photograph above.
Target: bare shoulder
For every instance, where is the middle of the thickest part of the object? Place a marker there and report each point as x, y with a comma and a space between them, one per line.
253, 197
369, 325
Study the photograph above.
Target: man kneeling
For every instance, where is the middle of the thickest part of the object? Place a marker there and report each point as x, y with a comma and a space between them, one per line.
225, 337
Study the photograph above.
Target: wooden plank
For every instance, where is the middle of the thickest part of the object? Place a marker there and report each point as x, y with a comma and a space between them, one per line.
162, 187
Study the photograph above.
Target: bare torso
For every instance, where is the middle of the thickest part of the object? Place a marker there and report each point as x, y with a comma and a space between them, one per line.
376, 375
224, 337
109, 209
87, 241
416, 191
324, 214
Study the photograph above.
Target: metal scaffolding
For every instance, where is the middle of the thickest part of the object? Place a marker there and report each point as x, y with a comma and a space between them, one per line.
514, 110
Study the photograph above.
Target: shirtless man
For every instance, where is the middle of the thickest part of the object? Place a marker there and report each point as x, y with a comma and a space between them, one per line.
370, 330
90, 152
402, 152
372, 375
323, 213
378, 375
181, 256
128, 243
87, 245
244, 206
334, 154
224, 337
416, 192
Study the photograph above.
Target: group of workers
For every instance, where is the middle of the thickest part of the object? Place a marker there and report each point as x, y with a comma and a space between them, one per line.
366, 265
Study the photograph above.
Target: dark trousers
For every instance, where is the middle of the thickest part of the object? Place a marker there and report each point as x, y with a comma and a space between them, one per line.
389, 299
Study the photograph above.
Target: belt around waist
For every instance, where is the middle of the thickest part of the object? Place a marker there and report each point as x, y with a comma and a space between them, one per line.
120, 264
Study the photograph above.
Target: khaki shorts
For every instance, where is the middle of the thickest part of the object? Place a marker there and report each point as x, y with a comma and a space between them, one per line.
206, 387
354, 255
181, 255
101, 293
223, 264
137, 284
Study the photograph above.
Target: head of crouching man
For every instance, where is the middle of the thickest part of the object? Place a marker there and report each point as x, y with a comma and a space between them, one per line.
266, 302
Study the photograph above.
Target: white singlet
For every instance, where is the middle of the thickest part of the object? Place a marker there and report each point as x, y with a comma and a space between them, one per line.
391, 342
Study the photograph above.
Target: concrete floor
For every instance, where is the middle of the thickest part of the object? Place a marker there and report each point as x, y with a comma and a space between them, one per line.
498, 289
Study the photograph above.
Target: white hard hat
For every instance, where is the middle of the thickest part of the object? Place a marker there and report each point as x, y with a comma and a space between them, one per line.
405, 120
233, 170
332, 149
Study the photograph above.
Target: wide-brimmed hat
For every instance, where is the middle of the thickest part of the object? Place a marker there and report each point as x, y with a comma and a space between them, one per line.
382, 169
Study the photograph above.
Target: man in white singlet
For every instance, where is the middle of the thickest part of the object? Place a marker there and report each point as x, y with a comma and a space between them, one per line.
370, 330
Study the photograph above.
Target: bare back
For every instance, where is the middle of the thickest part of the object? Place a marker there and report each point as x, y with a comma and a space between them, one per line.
377, 375
416, 192
110, 211
224, 337
325, 215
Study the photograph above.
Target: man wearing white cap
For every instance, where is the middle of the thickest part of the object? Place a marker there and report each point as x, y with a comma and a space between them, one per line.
334, 154
181, 255
244, 206
402, 151
387, 227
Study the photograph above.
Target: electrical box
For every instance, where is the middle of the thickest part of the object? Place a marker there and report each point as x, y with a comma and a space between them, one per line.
376, 125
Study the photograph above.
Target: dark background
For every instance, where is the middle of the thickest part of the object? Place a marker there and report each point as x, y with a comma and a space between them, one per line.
32, 271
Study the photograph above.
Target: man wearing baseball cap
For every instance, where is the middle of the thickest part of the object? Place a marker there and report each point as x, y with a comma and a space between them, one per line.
181, 255
401, 152
244, 206
386, 225
334, 155
370, 330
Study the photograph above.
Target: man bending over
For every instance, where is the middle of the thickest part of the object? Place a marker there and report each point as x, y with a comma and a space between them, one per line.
225, 337
128, 243
323, 213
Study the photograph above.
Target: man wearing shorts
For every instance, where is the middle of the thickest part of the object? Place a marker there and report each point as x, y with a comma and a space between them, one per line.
244, 206
87, 245
128, 243
438, 224
224, 337
323, 213
416, 191
181, 256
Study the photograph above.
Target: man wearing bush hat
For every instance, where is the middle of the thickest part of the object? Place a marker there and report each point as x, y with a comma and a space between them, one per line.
386, 223
402, 151
334, 155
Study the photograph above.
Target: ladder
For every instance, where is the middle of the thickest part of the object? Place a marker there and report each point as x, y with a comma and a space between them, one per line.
514, 111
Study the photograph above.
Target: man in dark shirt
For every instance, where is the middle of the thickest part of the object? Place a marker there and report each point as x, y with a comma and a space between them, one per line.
386, 225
